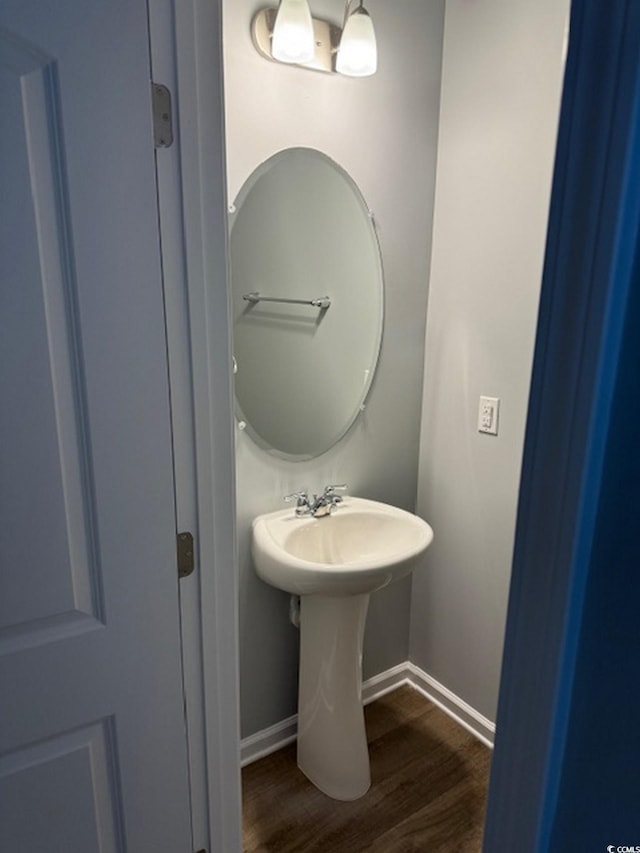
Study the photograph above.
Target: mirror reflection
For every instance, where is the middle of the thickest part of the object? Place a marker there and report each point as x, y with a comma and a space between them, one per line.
307, 292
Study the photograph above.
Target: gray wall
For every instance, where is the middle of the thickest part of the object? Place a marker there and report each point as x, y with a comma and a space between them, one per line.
382, 130
501, 81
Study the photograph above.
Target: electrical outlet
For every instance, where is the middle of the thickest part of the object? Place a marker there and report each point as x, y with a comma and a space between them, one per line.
488, 415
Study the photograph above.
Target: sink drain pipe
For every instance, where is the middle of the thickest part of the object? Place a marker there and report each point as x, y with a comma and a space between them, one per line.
294, 610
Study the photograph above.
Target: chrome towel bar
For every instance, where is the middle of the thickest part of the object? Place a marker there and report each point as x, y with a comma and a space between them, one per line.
320, 302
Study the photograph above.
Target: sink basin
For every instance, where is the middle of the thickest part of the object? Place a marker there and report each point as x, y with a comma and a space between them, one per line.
361, 547
334, 563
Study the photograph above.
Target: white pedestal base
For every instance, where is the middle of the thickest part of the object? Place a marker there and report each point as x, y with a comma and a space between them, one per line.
332, 741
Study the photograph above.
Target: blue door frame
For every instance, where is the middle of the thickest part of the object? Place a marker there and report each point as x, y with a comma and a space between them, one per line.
567, 756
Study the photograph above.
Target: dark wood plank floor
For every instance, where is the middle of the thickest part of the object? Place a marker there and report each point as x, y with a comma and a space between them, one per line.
428, 790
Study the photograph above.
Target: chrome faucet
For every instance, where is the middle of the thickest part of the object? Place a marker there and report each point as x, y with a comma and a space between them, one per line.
319, 505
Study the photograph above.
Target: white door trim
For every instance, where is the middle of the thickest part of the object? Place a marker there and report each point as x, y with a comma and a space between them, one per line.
186, 45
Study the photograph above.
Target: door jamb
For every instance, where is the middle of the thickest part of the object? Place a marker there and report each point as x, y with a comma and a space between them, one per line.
186, 47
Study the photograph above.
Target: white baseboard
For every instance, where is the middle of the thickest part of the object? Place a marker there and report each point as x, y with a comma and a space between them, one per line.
275, 737
376, 686
268, 740
453, 705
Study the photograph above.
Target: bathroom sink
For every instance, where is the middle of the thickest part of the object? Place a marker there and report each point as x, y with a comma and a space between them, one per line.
361, 547
333, 563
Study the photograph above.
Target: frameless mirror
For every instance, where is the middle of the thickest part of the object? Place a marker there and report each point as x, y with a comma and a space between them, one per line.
307, 289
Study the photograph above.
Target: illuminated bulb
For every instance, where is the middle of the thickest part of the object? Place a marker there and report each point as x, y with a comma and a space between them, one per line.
293, 39
358, 54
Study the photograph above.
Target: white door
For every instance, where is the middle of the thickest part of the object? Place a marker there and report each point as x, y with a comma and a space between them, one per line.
92, 733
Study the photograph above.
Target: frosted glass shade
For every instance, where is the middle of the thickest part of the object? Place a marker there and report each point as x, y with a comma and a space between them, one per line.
293, 32
358, 54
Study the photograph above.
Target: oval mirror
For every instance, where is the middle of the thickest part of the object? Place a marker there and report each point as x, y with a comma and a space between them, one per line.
307, 289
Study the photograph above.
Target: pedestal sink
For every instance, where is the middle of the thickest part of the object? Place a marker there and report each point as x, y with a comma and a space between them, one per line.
334, 563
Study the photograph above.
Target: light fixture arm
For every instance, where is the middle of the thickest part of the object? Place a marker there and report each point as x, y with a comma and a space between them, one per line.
347, 7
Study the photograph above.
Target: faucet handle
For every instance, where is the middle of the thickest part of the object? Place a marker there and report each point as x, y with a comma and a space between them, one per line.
301, 497
329, 490
302, 502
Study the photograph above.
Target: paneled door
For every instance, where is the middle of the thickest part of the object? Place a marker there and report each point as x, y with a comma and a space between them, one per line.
92, 731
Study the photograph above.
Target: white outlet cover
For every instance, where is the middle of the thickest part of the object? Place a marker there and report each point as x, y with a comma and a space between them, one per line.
488, 410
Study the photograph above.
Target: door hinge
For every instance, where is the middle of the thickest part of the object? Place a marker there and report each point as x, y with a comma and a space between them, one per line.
185, 554
162, 116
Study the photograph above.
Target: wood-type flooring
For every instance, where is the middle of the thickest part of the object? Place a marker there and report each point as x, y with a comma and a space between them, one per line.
429, 780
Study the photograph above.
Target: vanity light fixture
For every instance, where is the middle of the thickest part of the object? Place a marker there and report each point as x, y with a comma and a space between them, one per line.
290, 34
